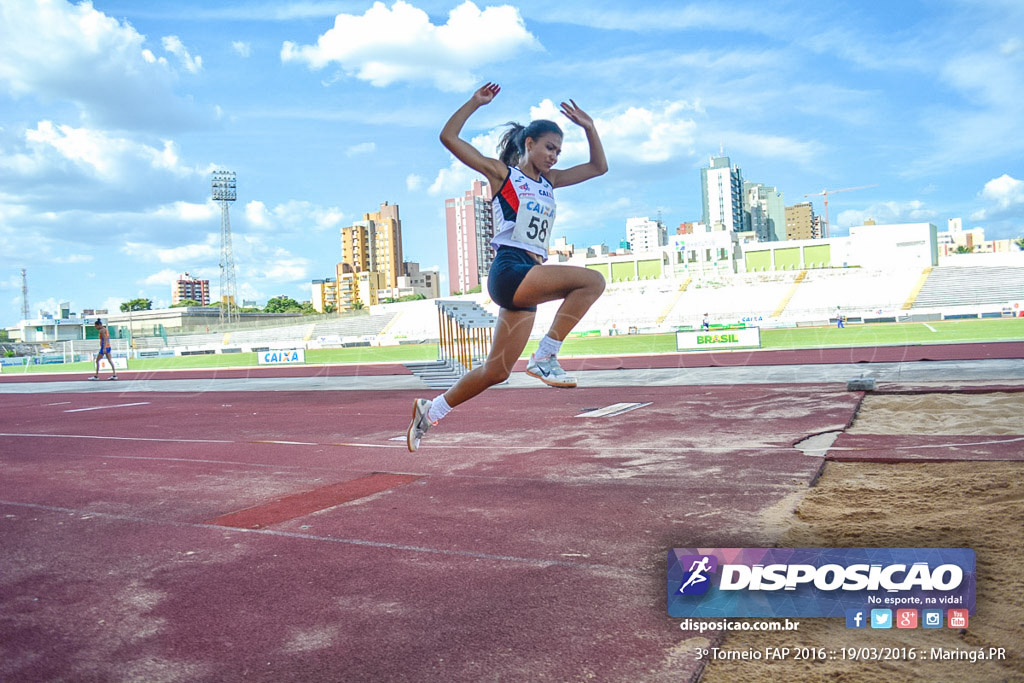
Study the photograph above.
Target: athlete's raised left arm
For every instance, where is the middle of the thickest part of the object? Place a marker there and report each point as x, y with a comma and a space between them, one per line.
597, 165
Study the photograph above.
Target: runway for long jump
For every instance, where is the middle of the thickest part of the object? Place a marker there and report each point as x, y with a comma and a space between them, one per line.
277, 529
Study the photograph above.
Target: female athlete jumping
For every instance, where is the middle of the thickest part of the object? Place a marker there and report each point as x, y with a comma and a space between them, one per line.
522, 184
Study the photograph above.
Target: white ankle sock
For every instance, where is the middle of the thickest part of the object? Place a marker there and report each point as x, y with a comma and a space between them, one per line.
547, 347
438, 409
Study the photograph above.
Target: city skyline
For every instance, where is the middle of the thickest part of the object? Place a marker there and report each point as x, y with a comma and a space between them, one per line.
115, 114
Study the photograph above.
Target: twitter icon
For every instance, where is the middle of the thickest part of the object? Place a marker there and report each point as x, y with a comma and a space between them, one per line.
881, 618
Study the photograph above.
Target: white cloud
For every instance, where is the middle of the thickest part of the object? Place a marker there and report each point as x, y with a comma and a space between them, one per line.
54, 167
241, 47
188, 211
574, 217
453, 181
911, 211
644, 135
56, 51
100, 154
74, 258
191, 253
641, 135
293, 216
1005, 196
385, 46
413, 182
163, 278
112, 304
174, 45
362, 148
646, 19
1005, 191
775, 147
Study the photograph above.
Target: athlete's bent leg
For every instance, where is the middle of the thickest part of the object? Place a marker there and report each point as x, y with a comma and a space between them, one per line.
578, 288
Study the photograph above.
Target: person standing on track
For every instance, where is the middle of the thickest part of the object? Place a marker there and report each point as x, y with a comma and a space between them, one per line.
104, 350
522, 181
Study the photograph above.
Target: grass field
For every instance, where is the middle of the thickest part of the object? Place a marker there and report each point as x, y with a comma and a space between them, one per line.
881, 334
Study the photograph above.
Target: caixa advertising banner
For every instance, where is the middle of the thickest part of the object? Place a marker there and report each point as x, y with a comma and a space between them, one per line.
817, 582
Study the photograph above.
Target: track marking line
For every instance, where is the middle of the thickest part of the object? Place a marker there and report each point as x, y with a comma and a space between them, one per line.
119, 405
305, 503
117, 438
537, 562
59, 403
285, 443
533, 447
613, 410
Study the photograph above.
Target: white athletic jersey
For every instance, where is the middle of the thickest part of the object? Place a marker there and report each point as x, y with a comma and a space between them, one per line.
524, 213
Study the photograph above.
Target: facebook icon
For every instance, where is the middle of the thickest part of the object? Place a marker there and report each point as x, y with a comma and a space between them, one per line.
856, 618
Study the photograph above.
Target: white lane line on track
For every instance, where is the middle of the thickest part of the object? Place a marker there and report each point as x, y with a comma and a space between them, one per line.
117, 438
995, 440
613, 410
59, 403
603, 568
119, 405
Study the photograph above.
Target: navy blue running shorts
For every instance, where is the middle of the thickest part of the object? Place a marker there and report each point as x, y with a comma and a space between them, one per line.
507, 272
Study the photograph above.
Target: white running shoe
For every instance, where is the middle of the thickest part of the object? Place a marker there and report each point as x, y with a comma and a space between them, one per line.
548, 370
420, 423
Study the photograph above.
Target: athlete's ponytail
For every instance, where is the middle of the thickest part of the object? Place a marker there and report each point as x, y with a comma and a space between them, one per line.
512, 144
512, 147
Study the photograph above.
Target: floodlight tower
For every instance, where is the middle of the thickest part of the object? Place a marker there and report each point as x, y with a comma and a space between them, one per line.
224, 193
24, 295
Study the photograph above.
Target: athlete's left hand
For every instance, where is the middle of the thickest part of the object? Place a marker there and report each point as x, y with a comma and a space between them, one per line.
577, 115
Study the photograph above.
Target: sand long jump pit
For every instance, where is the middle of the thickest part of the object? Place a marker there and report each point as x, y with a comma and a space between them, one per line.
923, 498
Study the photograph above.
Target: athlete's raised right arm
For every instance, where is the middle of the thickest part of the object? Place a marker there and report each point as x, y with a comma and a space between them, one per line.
493, 169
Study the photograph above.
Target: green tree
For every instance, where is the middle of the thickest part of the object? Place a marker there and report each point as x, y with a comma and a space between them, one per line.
186, 302
963, 250
282, 304
1020, 243
137, 305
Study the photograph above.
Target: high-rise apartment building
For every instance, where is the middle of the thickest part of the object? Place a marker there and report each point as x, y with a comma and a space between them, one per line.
721, 187
469, 224
764, 212
374, 244
188, 287
801, 223
644, 234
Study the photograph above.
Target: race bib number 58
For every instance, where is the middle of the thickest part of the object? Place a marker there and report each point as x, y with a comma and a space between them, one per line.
534, 223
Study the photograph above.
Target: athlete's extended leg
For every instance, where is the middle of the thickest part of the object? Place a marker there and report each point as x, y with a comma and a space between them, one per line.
511, 333
510, 336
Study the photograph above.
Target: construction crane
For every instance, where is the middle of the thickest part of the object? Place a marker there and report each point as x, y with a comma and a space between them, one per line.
826, 193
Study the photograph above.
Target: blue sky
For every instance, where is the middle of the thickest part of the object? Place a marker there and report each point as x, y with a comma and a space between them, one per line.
113, 114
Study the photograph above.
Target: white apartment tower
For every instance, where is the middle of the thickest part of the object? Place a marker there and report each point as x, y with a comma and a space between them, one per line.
645, 235
722, 190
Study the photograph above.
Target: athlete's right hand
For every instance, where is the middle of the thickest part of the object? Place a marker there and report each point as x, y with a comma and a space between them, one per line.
485, 94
